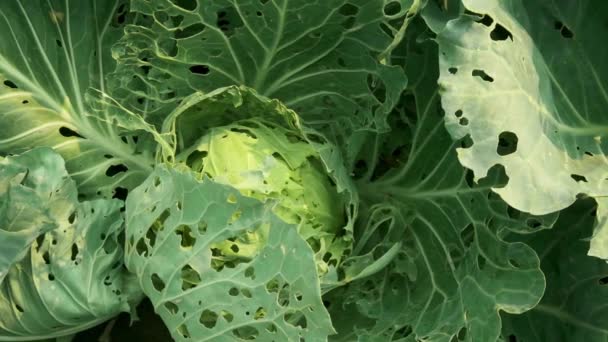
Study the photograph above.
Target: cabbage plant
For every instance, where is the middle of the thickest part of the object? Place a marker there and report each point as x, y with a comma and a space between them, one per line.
296, 170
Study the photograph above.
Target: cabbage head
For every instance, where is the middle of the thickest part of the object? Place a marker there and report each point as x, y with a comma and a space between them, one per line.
267, 161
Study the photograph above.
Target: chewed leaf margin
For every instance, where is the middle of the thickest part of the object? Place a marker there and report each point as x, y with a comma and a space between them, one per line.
63, 244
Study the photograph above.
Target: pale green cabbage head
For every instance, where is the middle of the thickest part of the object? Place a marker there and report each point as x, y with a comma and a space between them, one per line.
266, 161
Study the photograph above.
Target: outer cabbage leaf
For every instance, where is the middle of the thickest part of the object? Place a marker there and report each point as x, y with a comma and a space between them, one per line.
35, 194
575, 302
306, 54
173, 220
526, 84
65, 260
51, 52
454, 272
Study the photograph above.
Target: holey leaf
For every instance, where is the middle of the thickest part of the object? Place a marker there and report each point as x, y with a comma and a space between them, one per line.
320, 58
51, 53
61, 260
36, 196
455, 271
528, 85
173, 224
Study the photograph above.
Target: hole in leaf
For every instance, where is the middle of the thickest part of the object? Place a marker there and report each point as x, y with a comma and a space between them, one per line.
199, 69
466, 142
234, 248
120, 193
151, 236
116, 169
202, 227
578, 178
250, 273
141, 248
462, 334
228, 20
190, 278
458, 113
295, 320
189, 31
603, 281
392, 8
171, 307
196, 160
157, 282
66, 132
187, 238
10, 84
486, 20
247, 333
481, 262
507, 143
453, 70
120, 19
259, 313
348, 10
563, 30
567, 33
72, 217
533, 223
558, 25
482, 74
74, 252
227, 316
188, 5
46, 257
500, 33
208, 319
463, 121
403, 332
283, 295
39, 242
183, 330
